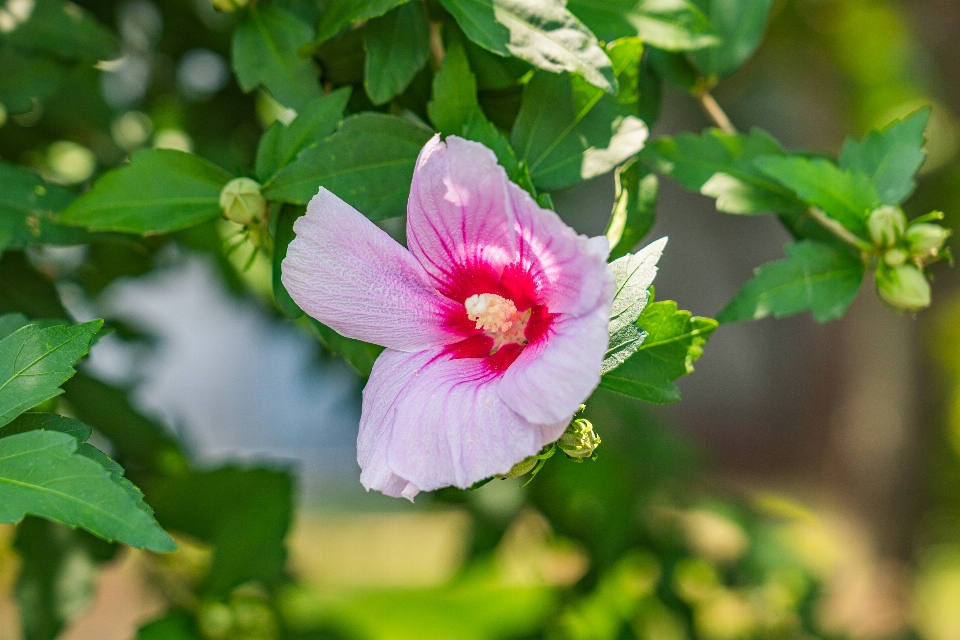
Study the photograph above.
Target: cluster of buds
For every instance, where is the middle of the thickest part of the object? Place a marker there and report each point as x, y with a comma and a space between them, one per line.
242, 203
579, 441
904, 252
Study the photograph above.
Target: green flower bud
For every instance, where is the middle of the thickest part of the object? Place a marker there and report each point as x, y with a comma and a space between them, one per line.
886, 225
926, 240
579, 440
242, 203
229, 5
895, 257
523, 467
904, 287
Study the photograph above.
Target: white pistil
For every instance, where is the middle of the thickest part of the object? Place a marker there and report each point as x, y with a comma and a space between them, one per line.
498, 317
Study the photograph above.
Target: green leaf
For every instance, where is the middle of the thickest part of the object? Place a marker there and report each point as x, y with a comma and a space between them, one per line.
361, 355
368, 163
281, 144
397, 46
740, 25
485, 132
674, 342
890, 157
173, 626
48, 421
34, 362
286, 216
25, 78
63, 29
568, 130
634, 208
721, 166
673, 25
844, 196
27, 208
342, 13
244, 513
454, 100
815, 276
541, 32
42, 474
266, 51
25, 290
160, 191
634, 273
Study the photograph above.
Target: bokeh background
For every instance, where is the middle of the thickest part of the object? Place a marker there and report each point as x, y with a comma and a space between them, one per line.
807, 485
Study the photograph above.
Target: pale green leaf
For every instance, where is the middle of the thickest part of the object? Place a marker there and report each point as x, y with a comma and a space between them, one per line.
454, 100
672, 25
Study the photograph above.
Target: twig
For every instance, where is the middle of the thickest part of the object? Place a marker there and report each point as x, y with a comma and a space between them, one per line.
839, 230
714, 111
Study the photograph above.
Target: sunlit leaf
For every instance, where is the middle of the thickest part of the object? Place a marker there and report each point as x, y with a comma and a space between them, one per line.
673, 25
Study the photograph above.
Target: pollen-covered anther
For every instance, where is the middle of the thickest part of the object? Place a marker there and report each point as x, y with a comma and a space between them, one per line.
498, 317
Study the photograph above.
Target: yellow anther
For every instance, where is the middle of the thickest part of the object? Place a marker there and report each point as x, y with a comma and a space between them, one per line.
498, 317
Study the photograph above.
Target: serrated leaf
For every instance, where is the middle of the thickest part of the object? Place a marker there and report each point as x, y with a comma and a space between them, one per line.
634, 208
397, 46
34, 362
815, 276
634, 273
27, 208
674, 342
160, 191
542, 32
740, 24
568, 130
60, 28
368, 163
844, 196
339, 14
281, 144
721, 166
266, 51
454, 100
672, 25
31, 421
42, 474
890, 157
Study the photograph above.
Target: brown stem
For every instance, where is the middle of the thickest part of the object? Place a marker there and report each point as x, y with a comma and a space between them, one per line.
715, 112
839, 230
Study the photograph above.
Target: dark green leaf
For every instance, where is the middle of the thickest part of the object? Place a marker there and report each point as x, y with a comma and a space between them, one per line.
48, 421
844, 196
397, 46
493, 71
674, 342
173, 626
25, 290
286, 216
27, 207
740, 25
721, 166
634, 208
673, 25
634, 274
361, 355
890, 157
160, 191
26, 78
266, 51
63, 29
541, 32
454, 100
342, 13
34, 362
815, 276
568, 130
281, 144
42, 474
368, 163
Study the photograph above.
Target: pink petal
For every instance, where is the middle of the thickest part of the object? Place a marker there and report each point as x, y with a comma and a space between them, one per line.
434, 422
554, 376
350, 275
459, 219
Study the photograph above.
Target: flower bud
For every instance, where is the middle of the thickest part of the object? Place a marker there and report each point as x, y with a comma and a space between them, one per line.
895, 257
926, 240
521, 468
579, 440
904, 287
229, 5
886, 225
242, 203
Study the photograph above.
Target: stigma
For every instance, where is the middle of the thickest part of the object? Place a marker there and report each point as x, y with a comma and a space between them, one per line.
498, 318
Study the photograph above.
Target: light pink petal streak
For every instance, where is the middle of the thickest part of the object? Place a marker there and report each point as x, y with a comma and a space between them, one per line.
350, 275
459, 219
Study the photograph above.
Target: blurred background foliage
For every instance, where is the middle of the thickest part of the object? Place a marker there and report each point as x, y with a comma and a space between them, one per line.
689, 525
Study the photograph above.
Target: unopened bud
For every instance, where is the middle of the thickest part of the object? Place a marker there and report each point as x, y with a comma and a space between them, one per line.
886, 225
579, 440
521, 468
926, 240
229, 5
904, 287
895, 257
242, 203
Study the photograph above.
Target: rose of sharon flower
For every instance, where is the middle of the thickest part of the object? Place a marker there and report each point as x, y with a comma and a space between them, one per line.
494, 322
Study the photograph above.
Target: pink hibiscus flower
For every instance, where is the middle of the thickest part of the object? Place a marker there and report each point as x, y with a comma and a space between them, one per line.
494, 322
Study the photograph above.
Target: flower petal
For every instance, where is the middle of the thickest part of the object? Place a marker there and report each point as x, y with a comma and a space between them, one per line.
434, 422
555, 375
459, 219
350, 275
